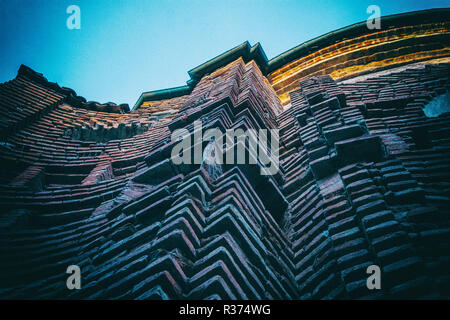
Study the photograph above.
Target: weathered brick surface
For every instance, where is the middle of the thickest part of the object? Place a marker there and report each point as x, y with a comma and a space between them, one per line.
357, 186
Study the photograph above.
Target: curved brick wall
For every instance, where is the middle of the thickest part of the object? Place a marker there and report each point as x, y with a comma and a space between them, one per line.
364, 179
389, 47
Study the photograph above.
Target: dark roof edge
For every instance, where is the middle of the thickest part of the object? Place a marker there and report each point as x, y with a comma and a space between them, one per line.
162, 94
27, 72
256, 52
71, 96
244, 51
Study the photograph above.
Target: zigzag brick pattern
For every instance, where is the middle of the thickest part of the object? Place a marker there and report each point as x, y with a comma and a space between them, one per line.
364, 179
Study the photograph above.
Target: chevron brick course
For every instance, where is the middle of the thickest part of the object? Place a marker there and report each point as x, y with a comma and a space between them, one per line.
364, 179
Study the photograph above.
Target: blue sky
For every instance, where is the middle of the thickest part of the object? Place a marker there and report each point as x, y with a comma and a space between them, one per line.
127, 47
